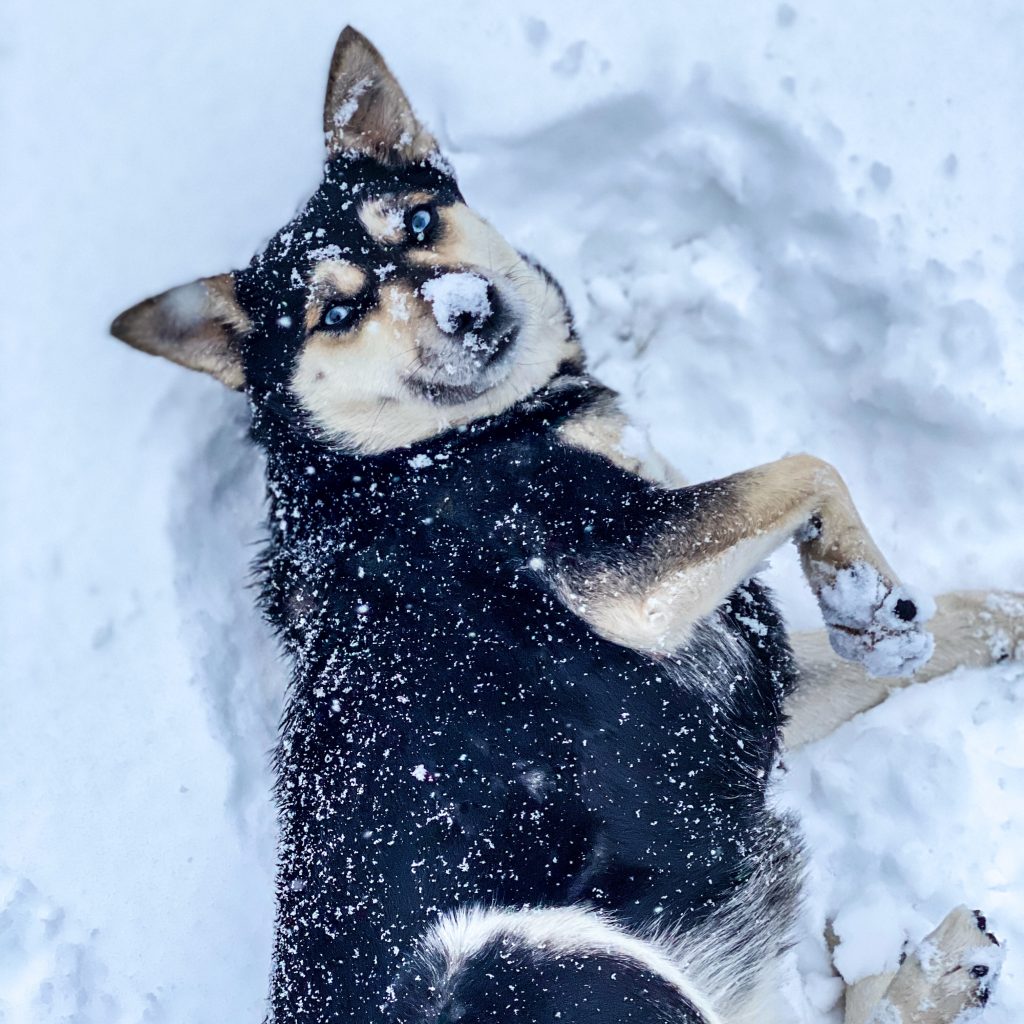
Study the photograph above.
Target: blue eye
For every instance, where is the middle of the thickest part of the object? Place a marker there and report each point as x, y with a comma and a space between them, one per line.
420, 221
336, 315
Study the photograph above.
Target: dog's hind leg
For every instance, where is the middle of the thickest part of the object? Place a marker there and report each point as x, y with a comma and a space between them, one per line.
973, 628
693, 546
949, 974
863, 996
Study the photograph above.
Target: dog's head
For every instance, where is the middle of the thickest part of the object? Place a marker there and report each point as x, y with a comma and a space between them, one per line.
386, 311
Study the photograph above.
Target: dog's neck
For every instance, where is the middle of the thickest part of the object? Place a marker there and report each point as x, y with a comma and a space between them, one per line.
326, 504
307, 480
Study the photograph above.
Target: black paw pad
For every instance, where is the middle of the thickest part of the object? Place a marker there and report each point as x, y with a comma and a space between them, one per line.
905, 610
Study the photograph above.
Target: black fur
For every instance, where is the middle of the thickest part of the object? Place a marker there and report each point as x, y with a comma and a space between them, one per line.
508, 980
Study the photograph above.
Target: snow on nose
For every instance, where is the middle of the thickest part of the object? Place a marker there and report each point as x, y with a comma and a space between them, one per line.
461, 301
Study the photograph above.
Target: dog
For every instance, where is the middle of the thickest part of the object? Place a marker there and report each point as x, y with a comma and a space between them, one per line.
538, 692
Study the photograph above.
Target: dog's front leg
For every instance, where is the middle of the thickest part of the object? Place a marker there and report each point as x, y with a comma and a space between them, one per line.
695, 545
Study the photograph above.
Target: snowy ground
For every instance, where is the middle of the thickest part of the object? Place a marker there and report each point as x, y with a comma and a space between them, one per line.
782, 227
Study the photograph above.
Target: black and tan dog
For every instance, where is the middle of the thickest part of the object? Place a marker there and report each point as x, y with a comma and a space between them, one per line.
537, 695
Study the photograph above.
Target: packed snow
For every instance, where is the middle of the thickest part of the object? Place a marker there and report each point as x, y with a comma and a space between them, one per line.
862, 613
781, 228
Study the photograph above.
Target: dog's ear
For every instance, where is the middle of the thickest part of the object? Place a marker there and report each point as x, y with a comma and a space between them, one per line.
365, 112
198, 325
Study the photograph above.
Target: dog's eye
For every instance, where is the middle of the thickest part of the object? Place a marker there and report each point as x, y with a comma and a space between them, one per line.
420, 221
336, 315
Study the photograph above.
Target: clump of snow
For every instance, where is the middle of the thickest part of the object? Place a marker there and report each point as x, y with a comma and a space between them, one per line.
187, 304
345, 111
325, 252
455, 295
865, 624
1002, 643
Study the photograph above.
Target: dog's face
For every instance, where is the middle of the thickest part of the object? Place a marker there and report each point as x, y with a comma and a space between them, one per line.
387, 311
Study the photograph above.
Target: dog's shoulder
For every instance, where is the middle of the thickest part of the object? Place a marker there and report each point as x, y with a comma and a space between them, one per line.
604, 428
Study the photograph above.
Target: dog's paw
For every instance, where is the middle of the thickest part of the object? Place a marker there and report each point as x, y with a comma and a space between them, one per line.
948, 978
876, 622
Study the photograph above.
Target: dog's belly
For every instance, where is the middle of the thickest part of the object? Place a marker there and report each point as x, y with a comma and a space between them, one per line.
484, 770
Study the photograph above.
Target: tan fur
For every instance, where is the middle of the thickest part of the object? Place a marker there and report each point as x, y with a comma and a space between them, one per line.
973, 628
466, 239
934, 984
384, 216
331, 280
656, 610
863, 996
787, 493
339, 277
194, 325
366, 112
601, 429
654, 605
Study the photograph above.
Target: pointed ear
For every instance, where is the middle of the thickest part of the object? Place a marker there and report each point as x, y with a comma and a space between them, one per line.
197, 325
365, 112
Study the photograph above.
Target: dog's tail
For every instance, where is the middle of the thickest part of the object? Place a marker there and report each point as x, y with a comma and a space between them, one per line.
558, 965
577, 965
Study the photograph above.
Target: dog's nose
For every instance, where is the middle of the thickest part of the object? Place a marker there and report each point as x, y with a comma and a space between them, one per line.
472, 321
463, 303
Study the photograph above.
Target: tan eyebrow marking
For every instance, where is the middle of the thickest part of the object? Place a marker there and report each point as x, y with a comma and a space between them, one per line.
332, 279
384, 217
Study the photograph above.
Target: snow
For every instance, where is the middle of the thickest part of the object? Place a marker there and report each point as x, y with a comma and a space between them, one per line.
350, 104
453, 295
781, 228
860, 610
187, 303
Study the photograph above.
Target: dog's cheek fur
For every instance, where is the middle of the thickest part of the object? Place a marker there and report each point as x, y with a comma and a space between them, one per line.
352, 385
